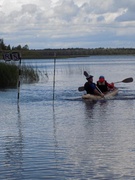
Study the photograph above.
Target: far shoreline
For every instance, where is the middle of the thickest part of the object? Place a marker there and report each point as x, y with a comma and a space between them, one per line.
69, 53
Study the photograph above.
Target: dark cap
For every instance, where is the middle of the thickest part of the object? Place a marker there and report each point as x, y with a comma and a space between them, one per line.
101, 77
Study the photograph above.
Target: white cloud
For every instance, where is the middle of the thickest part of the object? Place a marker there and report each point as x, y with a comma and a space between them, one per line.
67, 23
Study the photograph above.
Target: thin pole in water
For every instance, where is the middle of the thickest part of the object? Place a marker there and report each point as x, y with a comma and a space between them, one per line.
19, 78
54, 76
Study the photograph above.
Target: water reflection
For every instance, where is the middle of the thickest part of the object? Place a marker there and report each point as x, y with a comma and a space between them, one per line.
94, 107
14, 152
55, 136
89, 105
54, 127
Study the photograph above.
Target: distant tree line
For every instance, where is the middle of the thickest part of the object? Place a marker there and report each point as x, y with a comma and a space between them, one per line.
75, 52
64, 53
3, 46
89, 51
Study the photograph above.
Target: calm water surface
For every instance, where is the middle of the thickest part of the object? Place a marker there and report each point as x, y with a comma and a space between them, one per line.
69, 138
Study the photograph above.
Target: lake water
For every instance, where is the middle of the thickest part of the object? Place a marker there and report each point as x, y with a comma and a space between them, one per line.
69, 138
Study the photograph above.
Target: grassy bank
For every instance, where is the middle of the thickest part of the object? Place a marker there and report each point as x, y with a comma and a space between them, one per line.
9, 73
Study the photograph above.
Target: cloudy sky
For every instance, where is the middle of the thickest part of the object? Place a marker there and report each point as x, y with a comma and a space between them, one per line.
68, 23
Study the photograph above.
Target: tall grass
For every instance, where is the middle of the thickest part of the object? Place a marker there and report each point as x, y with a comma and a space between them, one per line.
9, 75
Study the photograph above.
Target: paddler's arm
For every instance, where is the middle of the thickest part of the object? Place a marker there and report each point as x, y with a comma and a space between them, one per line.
98, 93
111, 86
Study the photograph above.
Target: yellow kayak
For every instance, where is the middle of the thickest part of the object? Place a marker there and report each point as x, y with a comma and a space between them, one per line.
107, 95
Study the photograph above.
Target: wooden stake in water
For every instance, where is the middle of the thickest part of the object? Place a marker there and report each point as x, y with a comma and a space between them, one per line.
54, 76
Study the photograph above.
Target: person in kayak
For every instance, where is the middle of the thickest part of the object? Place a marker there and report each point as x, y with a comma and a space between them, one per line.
103, 85
91, 87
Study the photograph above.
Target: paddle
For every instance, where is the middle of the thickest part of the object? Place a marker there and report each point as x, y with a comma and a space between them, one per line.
81, 88
127, 80
85, 74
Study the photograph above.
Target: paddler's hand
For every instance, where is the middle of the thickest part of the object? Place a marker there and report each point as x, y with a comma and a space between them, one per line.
102, 95
112, 84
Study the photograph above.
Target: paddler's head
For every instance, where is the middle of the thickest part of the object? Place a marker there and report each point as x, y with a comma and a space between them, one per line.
101, 79
89, 78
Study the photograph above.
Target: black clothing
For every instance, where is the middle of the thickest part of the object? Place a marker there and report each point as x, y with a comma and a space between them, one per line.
102, 86
89, 87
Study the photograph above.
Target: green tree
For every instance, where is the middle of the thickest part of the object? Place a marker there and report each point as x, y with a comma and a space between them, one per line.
26, 47
8, 47
2, 45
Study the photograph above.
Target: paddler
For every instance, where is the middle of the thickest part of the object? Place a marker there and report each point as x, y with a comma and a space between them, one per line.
91, 87
103, 85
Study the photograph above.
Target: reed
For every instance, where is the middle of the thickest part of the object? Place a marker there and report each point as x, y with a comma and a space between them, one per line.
9, 75
29, 75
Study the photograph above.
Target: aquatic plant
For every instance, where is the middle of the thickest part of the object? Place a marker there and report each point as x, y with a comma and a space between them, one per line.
29, 75
9, 73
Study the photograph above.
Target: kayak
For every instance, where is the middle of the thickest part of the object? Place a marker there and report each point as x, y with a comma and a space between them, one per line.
107, 95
